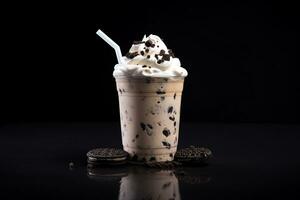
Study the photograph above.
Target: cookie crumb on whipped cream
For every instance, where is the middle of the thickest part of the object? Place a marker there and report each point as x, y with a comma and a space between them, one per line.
150, 57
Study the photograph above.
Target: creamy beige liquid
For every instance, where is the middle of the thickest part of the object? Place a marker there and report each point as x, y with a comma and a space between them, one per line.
150, 116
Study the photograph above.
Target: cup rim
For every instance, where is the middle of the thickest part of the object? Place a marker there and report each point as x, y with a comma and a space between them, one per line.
148, 77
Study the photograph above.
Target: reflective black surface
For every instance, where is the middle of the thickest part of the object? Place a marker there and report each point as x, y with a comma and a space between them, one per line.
250, 161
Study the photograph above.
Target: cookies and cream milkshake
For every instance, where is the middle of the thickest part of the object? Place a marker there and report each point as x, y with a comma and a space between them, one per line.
150, 83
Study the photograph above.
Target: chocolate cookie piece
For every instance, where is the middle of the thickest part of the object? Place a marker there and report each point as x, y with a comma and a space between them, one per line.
131, 55
166, 144
149, 43
160, 61
171, 53
193, 155
166, 57
106, 156
162, 52
166, 132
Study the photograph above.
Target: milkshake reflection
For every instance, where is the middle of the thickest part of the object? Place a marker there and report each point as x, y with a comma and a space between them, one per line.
149, 184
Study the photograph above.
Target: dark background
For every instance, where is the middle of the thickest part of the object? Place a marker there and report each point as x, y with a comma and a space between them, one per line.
58, 96
242, 60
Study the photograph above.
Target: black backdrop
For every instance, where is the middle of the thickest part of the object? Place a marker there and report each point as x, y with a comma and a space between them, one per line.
241, 59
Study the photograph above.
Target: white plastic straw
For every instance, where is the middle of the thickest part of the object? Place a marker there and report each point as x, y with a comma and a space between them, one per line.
112, 44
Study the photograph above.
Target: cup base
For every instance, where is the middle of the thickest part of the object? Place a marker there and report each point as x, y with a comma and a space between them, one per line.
150, 155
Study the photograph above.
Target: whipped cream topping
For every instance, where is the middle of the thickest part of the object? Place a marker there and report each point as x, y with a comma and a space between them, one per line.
150, 58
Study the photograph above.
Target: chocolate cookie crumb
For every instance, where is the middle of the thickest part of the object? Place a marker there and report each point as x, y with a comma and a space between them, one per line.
160, 92
166, 57
143, 126
172, 118
171, 53
166, 185
170, 109
162, 52
166, 144
144, 66
160, 61
166, 132
148, 43
142, 53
